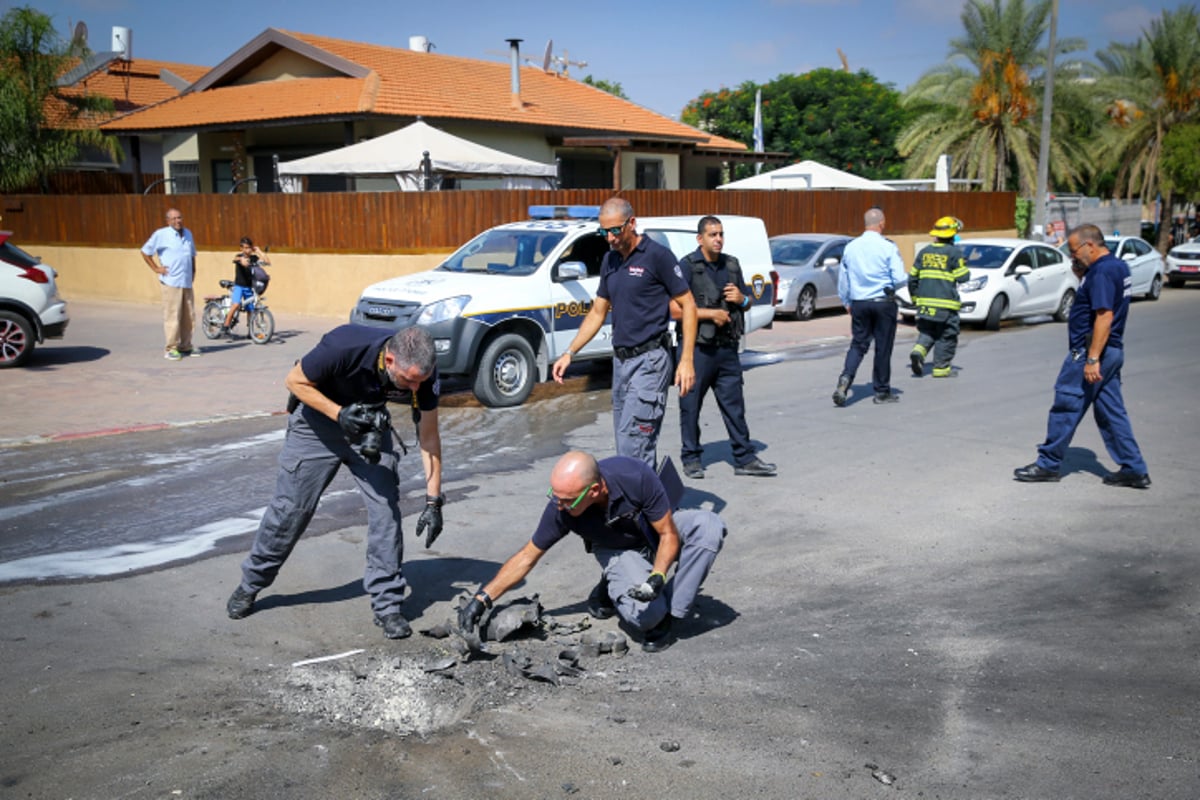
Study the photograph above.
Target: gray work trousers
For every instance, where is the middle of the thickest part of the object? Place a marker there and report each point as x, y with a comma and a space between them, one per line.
639, 395
313, 451
701, 533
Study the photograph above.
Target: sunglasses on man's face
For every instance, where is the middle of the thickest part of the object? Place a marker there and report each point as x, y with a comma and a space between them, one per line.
614, 231
565, 503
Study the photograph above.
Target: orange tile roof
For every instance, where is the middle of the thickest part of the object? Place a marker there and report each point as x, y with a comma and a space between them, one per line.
409, 84
130, 84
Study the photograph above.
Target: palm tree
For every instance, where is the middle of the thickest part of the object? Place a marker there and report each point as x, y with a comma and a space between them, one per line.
983, 103
42, 129
1148, 88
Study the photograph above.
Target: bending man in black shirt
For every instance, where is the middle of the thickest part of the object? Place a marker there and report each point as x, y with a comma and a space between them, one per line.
621, 509
341, 386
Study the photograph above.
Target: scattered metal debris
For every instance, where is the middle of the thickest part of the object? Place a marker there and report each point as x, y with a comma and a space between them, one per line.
886, 778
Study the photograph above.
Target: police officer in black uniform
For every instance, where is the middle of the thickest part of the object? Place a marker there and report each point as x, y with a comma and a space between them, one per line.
716, 282
338, 416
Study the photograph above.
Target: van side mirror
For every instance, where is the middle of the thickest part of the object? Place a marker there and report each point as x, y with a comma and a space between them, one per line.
571, 271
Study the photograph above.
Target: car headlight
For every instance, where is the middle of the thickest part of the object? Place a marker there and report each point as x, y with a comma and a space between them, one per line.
973, 285
443, 310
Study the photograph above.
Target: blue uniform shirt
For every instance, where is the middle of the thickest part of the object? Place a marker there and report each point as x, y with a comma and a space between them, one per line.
636, 498
176, 250
870, 264
639, 289
1107, 285
344, 366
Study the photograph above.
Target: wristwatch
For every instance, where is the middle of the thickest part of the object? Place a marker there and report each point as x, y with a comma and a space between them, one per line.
1093, 361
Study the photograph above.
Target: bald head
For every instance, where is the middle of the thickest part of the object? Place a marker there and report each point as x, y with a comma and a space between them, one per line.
573, 473
616, 206
873, 219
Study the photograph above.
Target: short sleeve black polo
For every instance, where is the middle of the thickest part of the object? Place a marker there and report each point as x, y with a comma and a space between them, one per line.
640, 288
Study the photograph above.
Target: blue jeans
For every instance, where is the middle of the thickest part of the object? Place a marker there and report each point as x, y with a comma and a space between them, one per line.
1072, 397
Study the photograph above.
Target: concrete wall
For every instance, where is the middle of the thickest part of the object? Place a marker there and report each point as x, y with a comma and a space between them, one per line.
304, 283
321, 284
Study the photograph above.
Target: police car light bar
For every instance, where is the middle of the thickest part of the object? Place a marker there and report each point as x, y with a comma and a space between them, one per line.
564, 212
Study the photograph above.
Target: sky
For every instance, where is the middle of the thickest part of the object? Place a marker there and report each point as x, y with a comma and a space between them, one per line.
664, 53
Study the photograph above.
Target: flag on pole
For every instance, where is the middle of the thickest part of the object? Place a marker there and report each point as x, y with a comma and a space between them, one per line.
758, 129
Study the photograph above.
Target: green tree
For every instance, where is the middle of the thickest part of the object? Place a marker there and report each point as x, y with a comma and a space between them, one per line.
32, 57
612, 87
1148, 88
1181, 161
983, 104
843, 119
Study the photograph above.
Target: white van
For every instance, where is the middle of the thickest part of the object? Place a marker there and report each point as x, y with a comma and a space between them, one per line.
506, 304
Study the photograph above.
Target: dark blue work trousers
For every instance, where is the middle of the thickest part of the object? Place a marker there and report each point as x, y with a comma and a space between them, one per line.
1072, 397
717, 368
872, 321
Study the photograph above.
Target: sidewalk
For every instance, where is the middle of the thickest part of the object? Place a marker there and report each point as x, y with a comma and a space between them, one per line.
108, 374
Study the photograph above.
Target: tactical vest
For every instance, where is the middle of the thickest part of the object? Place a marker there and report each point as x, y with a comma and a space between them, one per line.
709, 295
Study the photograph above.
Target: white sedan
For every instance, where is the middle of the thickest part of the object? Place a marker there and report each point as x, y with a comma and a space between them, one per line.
1146, 266
1183, 263
1010, 278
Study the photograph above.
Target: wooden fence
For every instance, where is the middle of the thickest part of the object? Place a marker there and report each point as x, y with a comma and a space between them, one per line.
414, 222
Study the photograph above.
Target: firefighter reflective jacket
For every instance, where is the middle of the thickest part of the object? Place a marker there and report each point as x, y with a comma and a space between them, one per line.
933, 282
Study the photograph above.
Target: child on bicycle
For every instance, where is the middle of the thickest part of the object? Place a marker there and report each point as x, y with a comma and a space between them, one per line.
243, 279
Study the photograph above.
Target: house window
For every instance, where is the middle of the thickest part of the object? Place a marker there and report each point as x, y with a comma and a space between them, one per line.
585, 173
222, 176
186, 175
712, 177
649, 173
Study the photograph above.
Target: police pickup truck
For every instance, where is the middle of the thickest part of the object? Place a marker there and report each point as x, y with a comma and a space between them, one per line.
506, 304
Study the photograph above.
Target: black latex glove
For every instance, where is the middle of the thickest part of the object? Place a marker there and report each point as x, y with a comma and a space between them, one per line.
356, 419
470, 614
649, 589
431, 519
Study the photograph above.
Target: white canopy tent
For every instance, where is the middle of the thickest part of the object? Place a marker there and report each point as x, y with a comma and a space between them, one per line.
806, 175
419, 152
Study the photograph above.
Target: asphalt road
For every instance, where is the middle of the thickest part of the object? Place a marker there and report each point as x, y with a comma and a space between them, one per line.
892, 607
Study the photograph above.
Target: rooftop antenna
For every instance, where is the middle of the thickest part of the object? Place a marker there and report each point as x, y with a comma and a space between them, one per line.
566, 63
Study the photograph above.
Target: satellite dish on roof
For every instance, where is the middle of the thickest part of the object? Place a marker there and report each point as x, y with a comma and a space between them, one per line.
80, 37
546, 59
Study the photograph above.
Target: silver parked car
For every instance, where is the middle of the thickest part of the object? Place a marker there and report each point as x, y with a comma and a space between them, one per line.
808, 265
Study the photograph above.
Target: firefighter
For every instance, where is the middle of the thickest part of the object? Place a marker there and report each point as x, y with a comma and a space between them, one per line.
933, 285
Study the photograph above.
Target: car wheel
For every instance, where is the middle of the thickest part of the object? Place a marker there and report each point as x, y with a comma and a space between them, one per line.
506, 372
1175, 283
16, 340
806, 303
1155, 288
1064, 305
996, 313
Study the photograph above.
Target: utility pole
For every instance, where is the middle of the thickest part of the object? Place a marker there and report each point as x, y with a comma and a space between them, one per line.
1043, 174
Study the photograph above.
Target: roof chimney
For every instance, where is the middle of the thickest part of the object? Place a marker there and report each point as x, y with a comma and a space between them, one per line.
514, 52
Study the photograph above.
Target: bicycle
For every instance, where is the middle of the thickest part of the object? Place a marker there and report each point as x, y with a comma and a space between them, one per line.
260, 322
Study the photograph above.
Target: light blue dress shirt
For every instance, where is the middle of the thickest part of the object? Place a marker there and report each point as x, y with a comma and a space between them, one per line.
176, 252
870, 264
